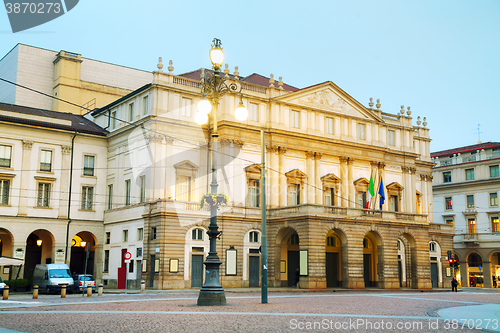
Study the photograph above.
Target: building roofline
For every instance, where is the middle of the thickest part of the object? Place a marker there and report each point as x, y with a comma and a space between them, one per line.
99, 111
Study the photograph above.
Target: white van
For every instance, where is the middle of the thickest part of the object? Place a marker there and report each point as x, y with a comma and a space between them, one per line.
51, 277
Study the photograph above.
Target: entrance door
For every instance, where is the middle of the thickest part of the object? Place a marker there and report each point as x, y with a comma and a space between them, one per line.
122, 271
367, 268
332, 264
434, 274
253, 271
400, 275
138, 275
293, 264
152, 281
196, 270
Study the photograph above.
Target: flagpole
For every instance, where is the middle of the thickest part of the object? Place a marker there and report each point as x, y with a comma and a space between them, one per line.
378, 187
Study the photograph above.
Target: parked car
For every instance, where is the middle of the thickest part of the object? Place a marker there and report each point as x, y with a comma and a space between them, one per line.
84, 280
2, 284
51, 277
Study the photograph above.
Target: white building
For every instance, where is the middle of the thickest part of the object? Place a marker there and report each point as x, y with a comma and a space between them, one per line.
466, 187
41, 153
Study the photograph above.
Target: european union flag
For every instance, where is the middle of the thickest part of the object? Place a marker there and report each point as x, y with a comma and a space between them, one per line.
381, 193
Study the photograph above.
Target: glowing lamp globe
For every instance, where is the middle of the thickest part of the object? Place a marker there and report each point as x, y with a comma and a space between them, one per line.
241, 113
204, 106
200, 118
216, 56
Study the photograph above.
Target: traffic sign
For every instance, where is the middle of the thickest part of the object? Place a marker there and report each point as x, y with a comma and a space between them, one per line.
128, 255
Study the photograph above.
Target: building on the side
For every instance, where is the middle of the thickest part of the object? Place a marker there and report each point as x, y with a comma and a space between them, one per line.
48, 159
86, 83
322, 148
466, 187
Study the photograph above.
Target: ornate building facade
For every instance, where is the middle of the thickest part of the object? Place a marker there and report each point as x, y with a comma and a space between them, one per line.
322, 148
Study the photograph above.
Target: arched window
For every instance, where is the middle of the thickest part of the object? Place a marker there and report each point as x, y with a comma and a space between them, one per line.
330, 241
254, 237
197, 234
432, 247
294, 239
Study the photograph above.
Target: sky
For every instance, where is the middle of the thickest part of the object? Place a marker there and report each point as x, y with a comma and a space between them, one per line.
441, 58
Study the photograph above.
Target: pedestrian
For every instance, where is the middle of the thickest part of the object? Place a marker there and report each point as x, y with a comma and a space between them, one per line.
454, 284
297, 277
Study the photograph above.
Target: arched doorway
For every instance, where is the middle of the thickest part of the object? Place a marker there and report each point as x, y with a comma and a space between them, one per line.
495, 269
401, 264
475, 270
410, 260
83, 248
287, 256
6, 241
333, 259
435, 259
370, 260
39, 246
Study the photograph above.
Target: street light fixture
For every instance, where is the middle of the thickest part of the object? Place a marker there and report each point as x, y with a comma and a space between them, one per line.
213, 86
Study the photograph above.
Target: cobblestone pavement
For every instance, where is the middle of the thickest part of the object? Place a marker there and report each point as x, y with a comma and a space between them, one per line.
320, 311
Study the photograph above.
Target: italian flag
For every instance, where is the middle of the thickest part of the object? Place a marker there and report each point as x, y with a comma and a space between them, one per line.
371, 192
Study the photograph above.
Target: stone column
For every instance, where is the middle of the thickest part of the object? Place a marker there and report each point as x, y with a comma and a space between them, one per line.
169, 170
310, 171
25, 178
406, 200
420, 264
274, 177
430, 206
282, 179
423, 180
352, 276
344, 182
414, 190
317, 175
66, 165
350, 180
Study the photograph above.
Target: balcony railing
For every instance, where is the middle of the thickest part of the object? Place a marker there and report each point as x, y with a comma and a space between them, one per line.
471, 158
470, 237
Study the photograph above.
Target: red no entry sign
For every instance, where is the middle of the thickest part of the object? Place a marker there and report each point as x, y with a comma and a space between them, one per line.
128, 255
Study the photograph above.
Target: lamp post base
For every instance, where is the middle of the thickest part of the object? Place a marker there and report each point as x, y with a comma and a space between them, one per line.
211, 296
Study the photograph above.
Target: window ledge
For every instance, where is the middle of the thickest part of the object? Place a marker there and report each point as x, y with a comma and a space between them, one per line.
86, 210
41, 207
7, 168
4, 205
86, 176
45, 172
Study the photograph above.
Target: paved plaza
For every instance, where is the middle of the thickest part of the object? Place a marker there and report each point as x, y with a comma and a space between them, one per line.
287, 311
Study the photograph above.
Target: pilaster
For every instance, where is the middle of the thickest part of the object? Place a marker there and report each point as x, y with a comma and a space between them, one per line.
25, 175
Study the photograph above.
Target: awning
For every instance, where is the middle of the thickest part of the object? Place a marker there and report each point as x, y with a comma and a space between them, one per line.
6, 261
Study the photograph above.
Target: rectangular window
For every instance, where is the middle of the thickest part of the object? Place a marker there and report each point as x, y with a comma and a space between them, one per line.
394, 203
131, 112
110, 196
295, 119
254, 193
113, 120
448, 203
140, 234
254, 111
361, 131
494, 171
46, 160
108, 237
125, 236
447, 177
143, 189
4, 191
153, 233
361, 199
106, 260
43, 199
329, 125
186, 107
87, 197
472, 226
329, 196
495, 226
294, 194
5, 156
139, 252
493, 199
131, 266
88, 165
127, 192
470, 201
469, 174
183, 188
449, 221
145, 105
197, 234
391, 138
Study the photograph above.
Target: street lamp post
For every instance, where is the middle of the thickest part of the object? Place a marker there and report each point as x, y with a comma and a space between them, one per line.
213, 86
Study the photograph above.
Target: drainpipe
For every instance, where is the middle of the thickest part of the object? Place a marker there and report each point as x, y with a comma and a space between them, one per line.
69, 196
109, 120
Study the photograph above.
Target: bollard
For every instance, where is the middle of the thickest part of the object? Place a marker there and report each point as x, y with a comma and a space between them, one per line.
143, 285
6, 292
35, 292
63, 291
89, 291
99, 291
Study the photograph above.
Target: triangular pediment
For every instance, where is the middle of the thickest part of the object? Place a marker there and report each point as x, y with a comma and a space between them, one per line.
186, 164
253, 168
296, 173
330, 178
394, 186
328, 97
361, 181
